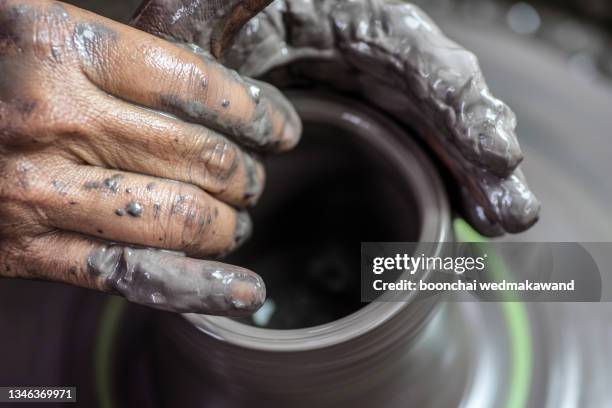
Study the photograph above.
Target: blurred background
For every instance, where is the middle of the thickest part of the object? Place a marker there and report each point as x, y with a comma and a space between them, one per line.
551, 61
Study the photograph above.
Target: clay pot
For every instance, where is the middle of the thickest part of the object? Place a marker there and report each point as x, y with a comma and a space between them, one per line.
375, 183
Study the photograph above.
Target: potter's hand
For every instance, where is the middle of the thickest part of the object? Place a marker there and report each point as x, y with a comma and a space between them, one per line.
391, 54
109, 134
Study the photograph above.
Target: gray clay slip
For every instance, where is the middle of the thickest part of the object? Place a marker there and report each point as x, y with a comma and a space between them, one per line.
168, 281
135, 209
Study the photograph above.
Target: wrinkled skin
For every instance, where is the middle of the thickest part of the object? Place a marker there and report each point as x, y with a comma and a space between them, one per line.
109, 134
390, 54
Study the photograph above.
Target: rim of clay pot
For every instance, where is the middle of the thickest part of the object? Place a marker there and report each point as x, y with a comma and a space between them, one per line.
404, 154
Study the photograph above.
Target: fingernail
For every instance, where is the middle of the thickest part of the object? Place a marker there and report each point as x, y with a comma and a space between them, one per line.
247, 293
293, 132
235, 292
254, 185
171, 282
243, 229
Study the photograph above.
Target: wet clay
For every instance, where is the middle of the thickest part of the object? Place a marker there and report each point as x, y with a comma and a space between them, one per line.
169, 281
135, 209
390, 54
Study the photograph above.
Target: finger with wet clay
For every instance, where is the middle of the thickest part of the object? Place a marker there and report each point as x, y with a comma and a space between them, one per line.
492, 204
506, 202
136, 209
146, 70
446, 79
139, 140
149, 277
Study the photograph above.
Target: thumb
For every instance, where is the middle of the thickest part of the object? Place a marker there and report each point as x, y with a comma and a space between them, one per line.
211, 24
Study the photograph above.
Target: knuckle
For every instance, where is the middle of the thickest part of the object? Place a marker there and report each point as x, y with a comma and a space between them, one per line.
93, 41
15, 18
192, 218
196, 76
23, 199
24, 25
219, 158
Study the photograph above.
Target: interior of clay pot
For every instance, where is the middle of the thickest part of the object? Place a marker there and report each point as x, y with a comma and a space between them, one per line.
322, 200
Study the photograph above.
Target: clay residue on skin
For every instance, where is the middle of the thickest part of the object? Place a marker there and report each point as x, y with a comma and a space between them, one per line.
110, 184
135, 209
90, 39
257, 131
169, 281
156, 210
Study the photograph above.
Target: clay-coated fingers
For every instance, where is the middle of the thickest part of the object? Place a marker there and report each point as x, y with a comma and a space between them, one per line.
494, 205
476, 215
449, 87
131, 138
428, 81
137, 209
442, 81
154, 278
138, 67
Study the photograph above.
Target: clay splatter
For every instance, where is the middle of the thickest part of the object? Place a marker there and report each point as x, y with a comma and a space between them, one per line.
168, 281
135, 209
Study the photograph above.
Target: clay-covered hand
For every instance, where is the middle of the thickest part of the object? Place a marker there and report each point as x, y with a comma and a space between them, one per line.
389, 53
113, 140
